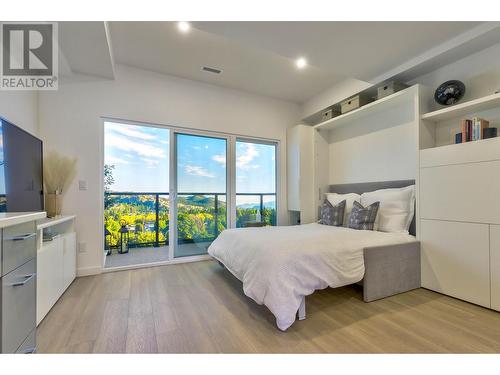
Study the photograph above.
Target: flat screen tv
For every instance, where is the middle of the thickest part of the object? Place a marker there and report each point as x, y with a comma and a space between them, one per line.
21, 170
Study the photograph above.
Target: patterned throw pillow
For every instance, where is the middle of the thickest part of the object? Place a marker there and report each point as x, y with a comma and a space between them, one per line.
363, 218
332, 215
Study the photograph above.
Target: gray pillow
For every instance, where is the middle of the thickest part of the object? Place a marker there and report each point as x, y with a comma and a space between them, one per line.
363, 218
332, 215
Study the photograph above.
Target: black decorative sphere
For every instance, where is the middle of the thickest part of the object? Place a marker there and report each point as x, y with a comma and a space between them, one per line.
449, 92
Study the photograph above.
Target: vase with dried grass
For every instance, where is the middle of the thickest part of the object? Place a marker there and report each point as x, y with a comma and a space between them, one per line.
58, 172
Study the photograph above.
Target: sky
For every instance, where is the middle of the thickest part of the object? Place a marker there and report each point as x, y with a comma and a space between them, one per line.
140, 155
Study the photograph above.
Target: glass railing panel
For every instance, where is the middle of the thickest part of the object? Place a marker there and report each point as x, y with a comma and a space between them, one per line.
269, 209
247, 210
200, 219
141, 214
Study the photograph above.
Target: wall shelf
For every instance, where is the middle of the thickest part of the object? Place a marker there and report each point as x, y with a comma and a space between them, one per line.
476, 105
49, 222
367, 110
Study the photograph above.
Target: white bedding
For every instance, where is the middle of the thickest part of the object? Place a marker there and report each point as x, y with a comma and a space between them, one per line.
280, 265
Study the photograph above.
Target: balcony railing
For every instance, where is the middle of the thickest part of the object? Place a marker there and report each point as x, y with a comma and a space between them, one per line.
200, 216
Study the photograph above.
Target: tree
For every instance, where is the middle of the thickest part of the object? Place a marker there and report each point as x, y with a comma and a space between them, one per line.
108, 182
108, 176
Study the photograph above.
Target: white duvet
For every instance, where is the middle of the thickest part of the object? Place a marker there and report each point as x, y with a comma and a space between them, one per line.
280, 265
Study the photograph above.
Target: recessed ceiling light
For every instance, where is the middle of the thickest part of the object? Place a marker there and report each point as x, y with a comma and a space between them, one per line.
183, 26
301, 63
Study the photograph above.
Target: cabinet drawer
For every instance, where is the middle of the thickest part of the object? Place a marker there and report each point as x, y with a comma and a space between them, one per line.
18, 245
29, 345
456, 259
464, 192
18, 306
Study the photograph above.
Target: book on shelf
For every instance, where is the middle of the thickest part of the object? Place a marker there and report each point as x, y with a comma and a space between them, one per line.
472, 130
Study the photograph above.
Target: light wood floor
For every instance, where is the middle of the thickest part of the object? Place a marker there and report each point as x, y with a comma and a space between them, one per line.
200, 308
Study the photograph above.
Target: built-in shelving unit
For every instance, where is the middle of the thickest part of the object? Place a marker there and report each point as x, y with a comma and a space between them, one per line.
459, 212
462, 109
369, 109
438, 128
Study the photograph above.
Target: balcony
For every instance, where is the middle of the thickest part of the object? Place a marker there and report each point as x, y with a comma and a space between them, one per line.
200, 218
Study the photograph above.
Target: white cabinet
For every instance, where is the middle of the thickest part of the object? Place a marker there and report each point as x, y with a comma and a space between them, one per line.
307, 171
462, 192
495, 266
69, 259
300, 167
49, 276
56, 263
456, 259
460, 213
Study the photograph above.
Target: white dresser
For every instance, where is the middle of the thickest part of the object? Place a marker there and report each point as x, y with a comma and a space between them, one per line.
18, 281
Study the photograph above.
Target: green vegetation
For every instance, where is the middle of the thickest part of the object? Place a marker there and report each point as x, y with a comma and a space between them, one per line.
200, 218
197, 219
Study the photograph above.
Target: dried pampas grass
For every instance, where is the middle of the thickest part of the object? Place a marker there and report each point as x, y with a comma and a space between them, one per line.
58, 172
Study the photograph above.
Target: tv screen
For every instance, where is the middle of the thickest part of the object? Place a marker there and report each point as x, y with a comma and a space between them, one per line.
21, 171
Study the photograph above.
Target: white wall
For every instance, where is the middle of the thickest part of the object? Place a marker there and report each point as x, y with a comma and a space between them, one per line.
20, 108
380, 148
70, 122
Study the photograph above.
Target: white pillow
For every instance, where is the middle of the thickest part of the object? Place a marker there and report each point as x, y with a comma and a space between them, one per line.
335, 199
397, 207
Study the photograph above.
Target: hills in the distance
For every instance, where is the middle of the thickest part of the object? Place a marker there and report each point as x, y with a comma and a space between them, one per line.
207, 201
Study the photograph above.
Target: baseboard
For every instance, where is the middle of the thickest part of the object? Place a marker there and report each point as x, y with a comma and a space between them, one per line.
88, 271
194, 258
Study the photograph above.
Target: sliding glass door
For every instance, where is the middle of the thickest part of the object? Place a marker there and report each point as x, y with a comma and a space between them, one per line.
136, 194
168, 193
200, 192
255, 183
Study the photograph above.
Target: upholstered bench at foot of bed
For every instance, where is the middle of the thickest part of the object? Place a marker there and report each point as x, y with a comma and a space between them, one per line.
391, 270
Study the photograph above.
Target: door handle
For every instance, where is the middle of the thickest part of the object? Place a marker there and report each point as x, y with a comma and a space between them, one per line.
22, 237
25, 281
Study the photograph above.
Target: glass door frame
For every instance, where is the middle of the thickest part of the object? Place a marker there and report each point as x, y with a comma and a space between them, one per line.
173, 177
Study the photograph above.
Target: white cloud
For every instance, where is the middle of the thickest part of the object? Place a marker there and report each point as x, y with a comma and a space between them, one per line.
196, 170
115, 160
221, 159
150, 163
132, 131
138, 147
249, 153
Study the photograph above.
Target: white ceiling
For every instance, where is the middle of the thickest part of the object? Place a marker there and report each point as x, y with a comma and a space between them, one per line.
259, 57
360, 50
86, 49
160, 47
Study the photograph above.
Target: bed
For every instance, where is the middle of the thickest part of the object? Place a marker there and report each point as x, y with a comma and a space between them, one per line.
280, 266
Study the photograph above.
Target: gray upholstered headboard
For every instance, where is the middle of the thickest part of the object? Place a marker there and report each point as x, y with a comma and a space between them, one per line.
364, 187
